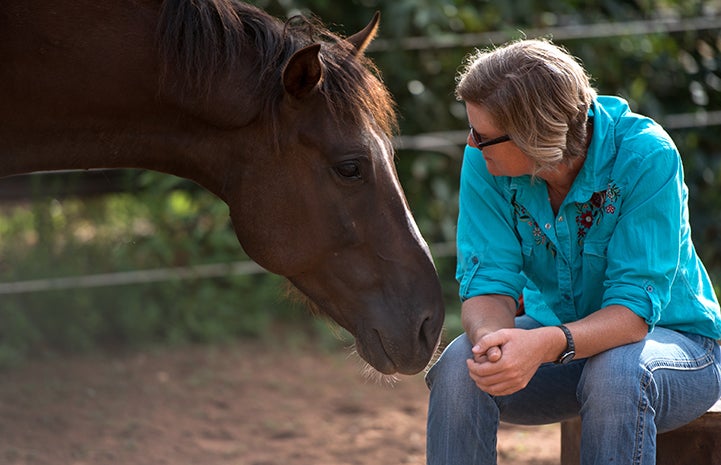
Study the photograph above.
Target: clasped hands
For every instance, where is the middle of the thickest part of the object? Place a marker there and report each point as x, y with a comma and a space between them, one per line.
504, 361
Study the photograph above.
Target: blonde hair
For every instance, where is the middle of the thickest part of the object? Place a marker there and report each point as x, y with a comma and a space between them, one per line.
535, 91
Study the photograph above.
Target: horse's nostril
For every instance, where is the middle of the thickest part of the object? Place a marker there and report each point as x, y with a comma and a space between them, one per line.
428, 334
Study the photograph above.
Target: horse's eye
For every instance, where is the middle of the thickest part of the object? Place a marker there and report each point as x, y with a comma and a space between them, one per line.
349, 170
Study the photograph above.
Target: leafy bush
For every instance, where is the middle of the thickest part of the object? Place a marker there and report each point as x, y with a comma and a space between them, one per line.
168, 224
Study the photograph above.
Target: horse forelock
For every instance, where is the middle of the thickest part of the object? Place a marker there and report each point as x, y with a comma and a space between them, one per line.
200, 40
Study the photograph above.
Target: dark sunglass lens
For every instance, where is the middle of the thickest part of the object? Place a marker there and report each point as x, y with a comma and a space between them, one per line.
475, 136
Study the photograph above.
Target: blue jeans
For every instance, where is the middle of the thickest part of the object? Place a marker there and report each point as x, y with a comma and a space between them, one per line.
625, 396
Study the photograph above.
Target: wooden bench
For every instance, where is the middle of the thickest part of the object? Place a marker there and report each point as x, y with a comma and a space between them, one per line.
697, 443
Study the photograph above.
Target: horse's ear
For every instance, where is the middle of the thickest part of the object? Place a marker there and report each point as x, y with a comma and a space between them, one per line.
303, 72
361, 39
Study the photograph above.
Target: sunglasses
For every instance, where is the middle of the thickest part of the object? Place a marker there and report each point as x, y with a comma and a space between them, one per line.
480, 143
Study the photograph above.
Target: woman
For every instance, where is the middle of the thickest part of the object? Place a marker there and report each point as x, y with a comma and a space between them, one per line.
573, 209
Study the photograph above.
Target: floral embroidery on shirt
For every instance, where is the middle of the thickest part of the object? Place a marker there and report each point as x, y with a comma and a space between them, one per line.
539, 237
592, 212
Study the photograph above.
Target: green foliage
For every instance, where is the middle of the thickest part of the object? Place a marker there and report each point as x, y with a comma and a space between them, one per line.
172, 223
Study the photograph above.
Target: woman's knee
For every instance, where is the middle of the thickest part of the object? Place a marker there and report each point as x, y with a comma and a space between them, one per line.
451, 368
614, 384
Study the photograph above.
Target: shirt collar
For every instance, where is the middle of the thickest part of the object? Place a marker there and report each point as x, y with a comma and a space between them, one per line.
596, 171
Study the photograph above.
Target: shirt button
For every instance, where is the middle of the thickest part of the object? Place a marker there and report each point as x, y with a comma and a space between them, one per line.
560, 219
547, 226
474, 260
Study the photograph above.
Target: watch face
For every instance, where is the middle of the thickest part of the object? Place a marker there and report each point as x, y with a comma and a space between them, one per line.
567, 357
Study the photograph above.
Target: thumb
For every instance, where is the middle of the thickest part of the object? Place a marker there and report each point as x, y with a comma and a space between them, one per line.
494, 354
491, 340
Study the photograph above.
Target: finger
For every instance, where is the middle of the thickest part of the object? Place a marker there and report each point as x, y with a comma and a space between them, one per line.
499, 390
497, 385
496, 339
492, 385
479, 380
478, 352
494, 354
485, 370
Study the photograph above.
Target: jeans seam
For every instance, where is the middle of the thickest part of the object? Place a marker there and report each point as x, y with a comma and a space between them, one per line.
640, 419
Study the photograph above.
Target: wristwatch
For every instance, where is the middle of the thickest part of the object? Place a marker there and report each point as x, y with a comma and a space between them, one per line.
570, 350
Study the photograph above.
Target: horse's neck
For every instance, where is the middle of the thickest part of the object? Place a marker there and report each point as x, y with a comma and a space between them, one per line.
187, 156
78, 94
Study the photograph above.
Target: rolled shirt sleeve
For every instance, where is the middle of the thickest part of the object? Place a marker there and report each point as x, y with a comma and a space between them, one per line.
644, 251
489, 253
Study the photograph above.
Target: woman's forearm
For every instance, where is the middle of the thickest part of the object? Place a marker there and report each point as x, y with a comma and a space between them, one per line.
609, 327
604, 329
484, 314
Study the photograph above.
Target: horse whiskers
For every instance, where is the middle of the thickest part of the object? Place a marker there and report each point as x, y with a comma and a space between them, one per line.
294, 295
370, 373
437, 354
375, 376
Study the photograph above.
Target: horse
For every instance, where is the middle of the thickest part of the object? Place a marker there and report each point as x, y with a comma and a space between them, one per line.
286, 122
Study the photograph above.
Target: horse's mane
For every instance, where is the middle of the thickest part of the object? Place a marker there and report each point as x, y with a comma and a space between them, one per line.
201, 40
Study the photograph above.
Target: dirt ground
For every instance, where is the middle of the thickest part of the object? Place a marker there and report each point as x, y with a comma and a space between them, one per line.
241, 404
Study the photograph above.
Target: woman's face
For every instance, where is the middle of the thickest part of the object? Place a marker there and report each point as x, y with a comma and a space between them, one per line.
503, 159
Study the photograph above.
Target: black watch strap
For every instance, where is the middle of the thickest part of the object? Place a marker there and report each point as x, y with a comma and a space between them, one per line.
570, 352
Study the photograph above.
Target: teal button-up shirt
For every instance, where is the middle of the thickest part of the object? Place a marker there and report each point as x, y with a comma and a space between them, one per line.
620, 237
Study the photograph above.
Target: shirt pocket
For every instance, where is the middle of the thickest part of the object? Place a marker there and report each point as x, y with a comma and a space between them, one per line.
594, 262
527, 250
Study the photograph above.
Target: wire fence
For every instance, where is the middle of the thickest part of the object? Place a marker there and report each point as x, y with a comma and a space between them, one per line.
123, 278
558, 33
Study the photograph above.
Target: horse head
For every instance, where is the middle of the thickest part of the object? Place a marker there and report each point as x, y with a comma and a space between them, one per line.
326, 210
287, 123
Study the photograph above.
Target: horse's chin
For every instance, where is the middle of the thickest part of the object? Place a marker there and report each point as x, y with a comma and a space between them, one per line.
375, 376
376, 365
375, 355
372, 374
